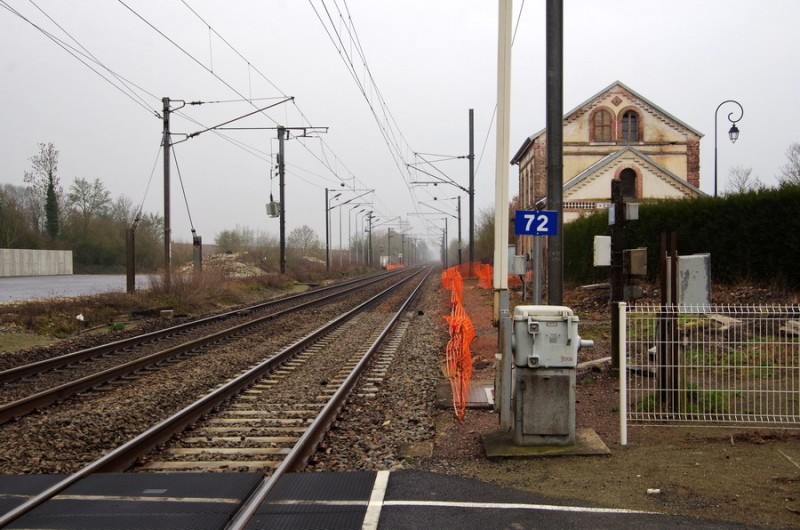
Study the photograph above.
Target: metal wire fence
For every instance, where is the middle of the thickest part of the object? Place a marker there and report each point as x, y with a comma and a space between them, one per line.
710, 366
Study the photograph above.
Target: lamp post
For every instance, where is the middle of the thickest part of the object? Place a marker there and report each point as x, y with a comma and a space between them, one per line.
458, 210
349, 231
389, 246
361, 255
370, 216
443, 240
458, 217
328, 229
341, 205
388, 236
733, 133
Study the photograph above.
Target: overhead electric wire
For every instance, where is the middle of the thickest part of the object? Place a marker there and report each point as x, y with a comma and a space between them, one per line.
387, 132
387, 124
85, 56
324, 163
447, 178
355, 37
237, 119
130, 93
76, 53
385, 107
210, 29
121, 79
186, 52
233, 48
387, 114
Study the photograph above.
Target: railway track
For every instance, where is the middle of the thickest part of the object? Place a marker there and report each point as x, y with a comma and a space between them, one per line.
271, 417
30, 387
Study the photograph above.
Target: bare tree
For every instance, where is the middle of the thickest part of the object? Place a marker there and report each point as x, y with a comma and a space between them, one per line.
89, 199
46, 188
741, 180
303, 238
237, 240
790, 172
122, 211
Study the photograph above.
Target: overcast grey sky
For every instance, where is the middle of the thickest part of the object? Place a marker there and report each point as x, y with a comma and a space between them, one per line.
431, 61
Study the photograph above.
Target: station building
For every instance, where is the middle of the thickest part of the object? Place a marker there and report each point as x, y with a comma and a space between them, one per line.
615, 134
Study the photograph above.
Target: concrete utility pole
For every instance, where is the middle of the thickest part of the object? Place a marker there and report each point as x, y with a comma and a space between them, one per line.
500, 275
167, 228
446, 261
282, 198
471, 186
282, 136
500, 280
555, 146
328, 209
130, 259
369, 245
388, 246
459, 229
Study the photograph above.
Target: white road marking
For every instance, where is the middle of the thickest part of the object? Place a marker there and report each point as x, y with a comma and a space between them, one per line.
376, 501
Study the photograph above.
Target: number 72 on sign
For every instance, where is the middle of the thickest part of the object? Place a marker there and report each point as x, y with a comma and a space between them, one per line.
536, 222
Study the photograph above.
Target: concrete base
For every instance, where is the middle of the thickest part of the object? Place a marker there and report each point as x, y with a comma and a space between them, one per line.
501, 445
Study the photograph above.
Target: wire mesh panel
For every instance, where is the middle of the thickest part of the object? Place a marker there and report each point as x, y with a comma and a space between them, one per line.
714, 365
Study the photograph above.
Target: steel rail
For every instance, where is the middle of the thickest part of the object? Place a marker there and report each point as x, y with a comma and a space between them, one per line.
307, 444
125, 455
28, 404
53, 363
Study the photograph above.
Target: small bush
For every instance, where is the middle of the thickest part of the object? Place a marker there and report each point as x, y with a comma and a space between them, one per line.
189, 291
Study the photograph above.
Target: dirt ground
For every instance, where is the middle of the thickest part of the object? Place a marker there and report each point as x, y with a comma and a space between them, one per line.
736, 475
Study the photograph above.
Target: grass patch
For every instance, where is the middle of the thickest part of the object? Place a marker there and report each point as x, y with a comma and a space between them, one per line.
188, 294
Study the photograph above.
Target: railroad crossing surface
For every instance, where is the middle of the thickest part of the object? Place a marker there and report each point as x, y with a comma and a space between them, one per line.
357, 500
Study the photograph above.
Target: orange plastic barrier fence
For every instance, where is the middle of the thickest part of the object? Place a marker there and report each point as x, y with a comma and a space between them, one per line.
452, 281
484, 273
395, 266
468, 270
462, 333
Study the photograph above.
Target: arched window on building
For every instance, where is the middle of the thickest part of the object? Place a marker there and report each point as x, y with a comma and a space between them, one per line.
630, 126
628, 179
602, 126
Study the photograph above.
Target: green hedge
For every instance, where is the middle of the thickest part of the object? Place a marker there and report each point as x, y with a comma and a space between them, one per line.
752, 237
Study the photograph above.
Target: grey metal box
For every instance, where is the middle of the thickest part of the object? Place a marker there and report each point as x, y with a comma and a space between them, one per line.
694, 280
545, 336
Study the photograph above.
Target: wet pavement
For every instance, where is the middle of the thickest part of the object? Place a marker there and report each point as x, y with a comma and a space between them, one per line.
13, 289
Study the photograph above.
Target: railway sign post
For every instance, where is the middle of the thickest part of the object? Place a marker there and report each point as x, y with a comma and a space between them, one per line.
536, 222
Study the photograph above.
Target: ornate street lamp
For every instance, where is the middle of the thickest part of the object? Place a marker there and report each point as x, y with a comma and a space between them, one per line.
733, 133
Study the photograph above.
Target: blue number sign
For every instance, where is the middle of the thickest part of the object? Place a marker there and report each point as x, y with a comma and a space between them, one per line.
536, 222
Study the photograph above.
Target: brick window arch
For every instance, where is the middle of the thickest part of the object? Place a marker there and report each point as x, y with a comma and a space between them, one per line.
628, 179
630, 126
631, 179
602, 126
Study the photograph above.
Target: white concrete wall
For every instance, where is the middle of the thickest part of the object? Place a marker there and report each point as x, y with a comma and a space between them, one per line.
27, 262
